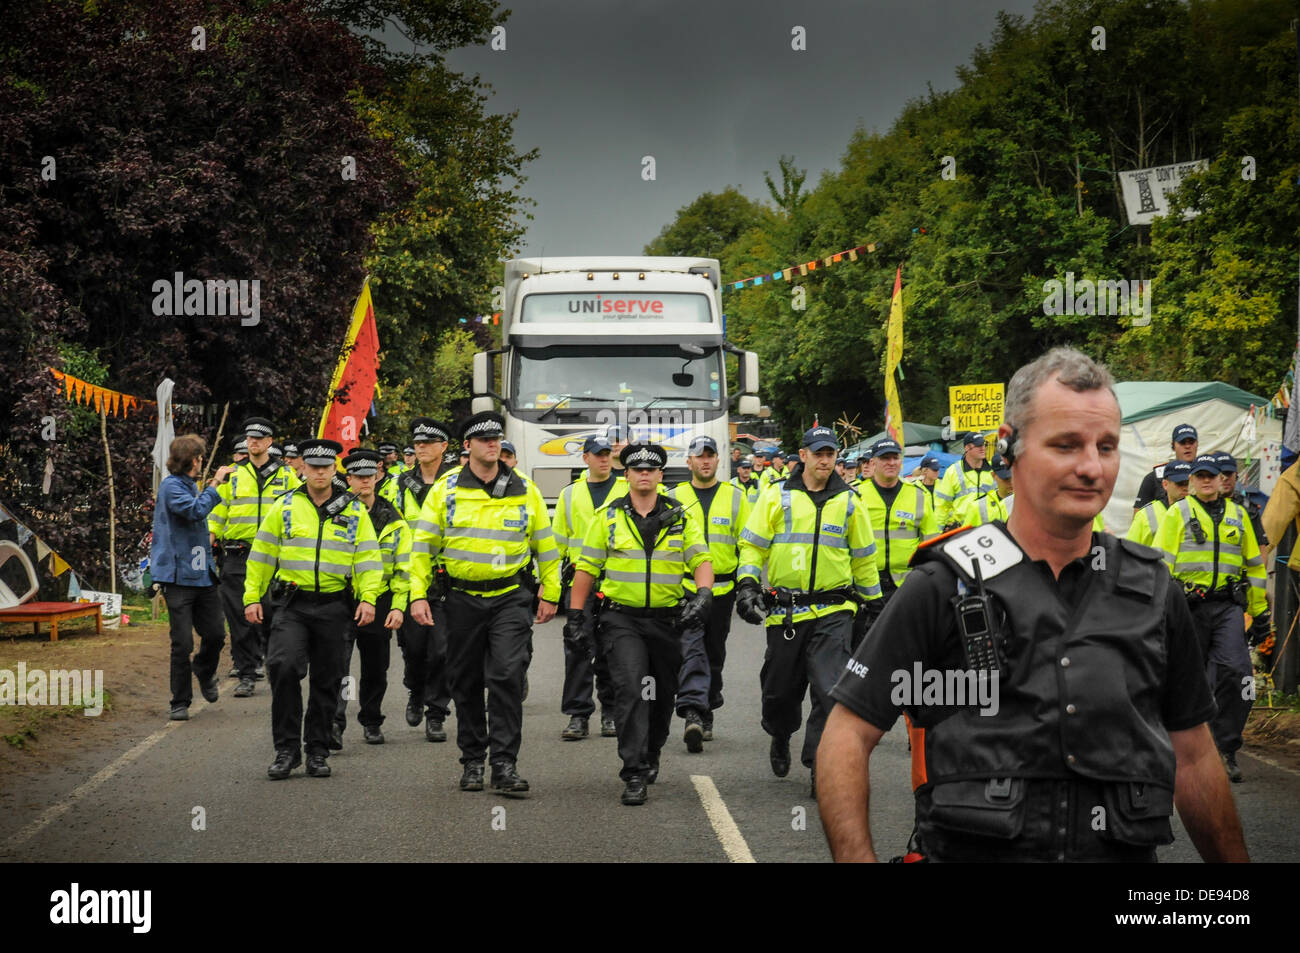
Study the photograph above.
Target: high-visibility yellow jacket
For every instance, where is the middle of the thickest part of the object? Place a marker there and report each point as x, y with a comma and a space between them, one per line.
394, 538
246, 497
898, 528
574, 510
810, 549
751, 491
317, 548
721, 527
1226, 550
1146, 523
976, 511
615, 546
387, 488
412, 491
955, 485
482, 538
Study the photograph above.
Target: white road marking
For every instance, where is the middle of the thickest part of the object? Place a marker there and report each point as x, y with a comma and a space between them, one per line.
728, 833
53, 813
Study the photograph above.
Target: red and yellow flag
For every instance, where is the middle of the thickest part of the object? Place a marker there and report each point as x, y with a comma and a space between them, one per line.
353, 386
893, 355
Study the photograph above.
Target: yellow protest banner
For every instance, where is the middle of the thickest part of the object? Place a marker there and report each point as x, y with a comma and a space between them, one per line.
976, 406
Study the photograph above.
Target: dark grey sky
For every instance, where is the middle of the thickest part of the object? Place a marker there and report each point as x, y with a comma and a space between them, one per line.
711, 89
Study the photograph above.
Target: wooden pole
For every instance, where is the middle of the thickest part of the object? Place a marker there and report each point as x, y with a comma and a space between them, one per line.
112, 501
216, 443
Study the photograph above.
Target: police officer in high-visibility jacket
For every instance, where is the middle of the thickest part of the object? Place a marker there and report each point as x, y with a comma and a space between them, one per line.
389, 471
996, 504
970, 475
574, 509
746, 481
1229, 490
311, 542
864, 468
722, 510
246, 498
424, 647
1209, 546
293, 457
374, 640
644, 544
927, 475
814, 536
485, 524
1146, 521
900, 513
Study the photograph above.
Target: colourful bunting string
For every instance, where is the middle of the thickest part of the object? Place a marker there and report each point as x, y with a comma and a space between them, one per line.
109, 401
787, 274
483, 319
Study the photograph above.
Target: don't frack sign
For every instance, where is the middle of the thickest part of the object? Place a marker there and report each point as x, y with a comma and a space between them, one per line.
975, 406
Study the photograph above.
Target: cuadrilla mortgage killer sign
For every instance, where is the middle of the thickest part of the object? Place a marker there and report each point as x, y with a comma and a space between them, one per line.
975, 407
1145, 190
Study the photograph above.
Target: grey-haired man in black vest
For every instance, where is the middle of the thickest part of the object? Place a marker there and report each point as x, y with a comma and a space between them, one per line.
1056, 697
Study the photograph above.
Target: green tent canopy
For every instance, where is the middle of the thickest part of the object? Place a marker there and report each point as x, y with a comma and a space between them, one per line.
913, 435
1139, 400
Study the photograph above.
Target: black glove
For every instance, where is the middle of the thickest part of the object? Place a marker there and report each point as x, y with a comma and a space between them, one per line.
866, 616
696, 613
575, 634
749, 603
1259, 628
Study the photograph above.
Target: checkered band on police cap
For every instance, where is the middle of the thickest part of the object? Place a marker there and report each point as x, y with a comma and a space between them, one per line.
428, 430
258, 427
320, 453
643, 456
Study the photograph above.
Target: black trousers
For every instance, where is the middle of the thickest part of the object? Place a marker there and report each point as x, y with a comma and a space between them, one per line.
306, 639
704, 650
193, 608
1222, 629
644, 657
811, 661
247, 641
487, 650
375, 645
424, 654
580, 672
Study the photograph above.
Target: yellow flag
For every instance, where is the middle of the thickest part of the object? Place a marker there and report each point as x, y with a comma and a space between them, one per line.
893, 355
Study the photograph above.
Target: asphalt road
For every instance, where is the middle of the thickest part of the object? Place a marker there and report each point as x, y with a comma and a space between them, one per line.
400, 801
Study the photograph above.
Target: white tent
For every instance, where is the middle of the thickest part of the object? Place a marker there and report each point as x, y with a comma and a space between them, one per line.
1225, 417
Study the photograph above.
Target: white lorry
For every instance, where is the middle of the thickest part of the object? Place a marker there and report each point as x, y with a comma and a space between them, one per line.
590, 343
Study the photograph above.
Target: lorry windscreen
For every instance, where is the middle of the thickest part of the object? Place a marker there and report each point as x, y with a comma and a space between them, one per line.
581, 379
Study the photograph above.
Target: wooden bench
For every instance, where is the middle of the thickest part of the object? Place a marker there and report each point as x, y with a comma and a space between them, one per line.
53, 613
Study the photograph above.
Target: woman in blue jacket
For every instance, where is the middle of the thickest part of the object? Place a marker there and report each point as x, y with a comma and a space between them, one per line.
180, 560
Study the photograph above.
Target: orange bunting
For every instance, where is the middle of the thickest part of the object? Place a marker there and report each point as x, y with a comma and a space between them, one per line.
101, 398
